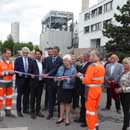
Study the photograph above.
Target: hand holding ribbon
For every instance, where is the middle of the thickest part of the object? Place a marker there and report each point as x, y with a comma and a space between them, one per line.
46, 76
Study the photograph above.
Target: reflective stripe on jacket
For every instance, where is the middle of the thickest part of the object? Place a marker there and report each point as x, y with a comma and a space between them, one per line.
94, 75
5, 77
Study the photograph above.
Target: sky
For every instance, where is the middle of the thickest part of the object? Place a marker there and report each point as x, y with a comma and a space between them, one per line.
29, 14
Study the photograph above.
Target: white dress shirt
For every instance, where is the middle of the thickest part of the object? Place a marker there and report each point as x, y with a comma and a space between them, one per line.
25, 62
39, 63
112, 68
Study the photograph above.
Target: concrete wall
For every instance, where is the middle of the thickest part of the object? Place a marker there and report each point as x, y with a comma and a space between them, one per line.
51, 38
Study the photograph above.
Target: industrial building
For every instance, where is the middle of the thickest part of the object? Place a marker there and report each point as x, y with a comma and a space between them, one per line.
92, 19
57, 30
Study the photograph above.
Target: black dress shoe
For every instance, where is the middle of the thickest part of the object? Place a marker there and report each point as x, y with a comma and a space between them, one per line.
20, 114
40, 115
26, 111
67, 124
49, 117
33, 116
60, 121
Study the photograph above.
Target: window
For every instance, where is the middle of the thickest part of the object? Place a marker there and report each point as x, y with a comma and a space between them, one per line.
100, 10
96, 27
93, 27
108, 7
86, 29
87, 16
107, 22
96, 12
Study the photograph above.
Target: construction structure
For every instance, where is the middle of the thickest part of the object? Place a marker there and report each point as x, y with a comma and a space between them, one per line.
57, 30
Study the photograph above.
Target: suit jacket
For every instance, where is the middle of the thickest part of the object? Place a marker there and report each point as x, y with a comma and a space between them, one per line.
19, 66
78, 83
84, 68
117, 72
35, 70
51, 67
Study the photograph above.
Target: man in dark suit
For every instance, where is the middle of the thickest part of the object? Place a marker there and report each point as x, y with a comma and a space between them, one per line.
52, 65
50, 54
23, 64
36, 85
77, 88
83, 90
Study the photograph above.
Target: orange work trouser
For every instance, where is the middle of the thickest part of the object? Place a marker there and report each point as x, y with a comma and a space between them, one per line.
91, 104
7, 92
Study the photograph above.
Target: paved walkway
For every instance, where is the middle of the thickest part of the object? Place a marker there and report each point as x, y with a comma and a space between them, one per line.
109, 120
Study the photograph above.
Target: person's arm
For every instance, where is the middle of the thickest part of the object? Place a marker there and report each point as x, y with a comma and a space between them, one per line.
106, 78
32, 67
126, 85
120, 71
1, 72
72, 78
16, 65
56, 67
45, 66
88, 75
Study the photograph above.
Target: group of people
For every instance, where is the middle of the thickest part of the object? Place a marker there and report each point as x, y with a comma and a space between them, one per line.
117, 84
64, 81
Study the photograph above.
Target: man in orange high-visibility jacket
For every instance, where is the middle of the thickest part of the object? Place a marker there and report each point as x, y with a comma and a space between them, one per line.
94, 78
6, 80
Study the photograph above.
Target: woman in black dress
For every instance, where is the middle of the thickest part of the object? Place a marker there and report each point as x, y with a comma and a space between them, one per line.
66, 81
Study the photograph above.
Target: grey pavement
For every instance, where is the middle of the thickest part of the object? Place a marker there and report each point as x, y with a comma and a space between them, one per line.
109, 120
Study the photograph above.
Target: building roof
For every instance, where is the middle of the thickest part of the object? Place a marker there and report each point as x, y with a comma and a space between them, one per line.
57, 14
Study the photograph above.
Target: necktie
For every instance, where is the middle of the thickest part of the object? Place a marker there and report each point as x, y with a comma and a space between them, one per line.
82, 66
26, 65
53, 59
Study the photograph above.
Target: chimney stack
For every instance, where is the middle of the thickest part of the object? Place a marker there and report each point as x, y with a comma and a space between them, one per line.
85, 5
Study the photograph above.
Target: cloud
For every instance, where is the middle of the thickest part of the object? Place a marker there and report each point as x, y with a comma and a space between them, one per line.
30, 13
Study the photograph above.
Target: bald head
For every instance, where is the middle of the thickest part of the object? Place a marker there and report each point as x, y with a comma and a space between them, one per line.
81, 58
114, 58
86, 55
94, 56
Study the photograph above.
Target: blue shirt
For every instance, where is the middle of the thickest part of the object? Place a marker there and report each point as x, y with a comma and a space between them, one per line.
62, 71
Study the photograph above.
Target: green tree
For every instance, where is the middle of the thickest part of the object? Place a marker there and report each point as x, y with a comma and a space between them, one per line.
15, 47
119, 35
36, 47
1, 46
29, 45
8, 44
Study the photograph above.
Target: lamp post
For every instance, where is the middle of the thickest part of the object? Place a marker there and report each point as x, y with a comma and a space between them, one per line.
14, 49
